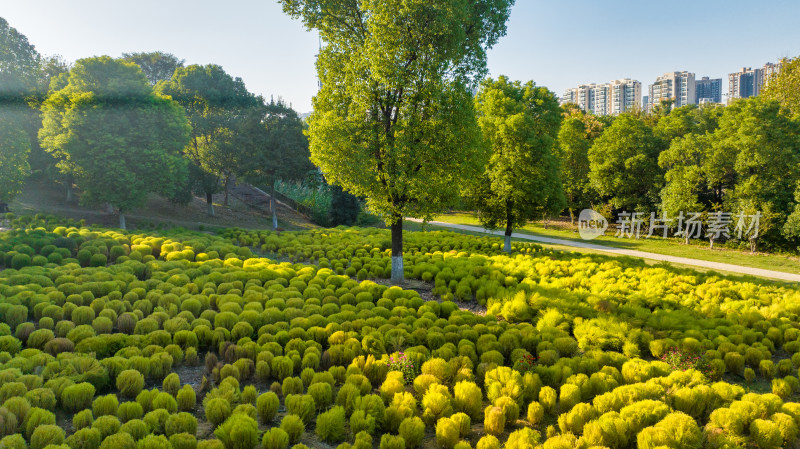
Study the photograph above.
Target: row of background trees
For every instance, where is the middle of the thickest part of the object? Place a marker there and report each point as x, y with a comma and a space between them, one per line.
122, 129
395, 123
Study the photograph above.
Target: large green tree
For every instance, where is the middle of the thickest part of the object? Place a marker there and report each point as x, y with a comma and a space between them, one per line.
766, 141
156, 65
280, 148
219, 107
117, 138
784, 86
623, 164
521, 180
393, 121
19, 70
576, 135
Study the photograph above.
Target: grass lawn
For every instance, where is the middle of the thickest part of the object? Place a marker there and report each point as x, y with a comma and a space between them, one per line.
671, 247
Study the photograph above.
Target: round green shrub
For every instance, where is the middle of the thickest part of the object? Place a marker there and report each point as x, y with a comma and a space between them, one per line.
267, 406
468, 398
137, 428
293, 426
118, 441
85, 438
412, 430
83, 419
105, 405
494, 422
165, 401
238, 432
183, 441
210, 444
172, 383
389, 441
180, 423
491, 442
98, 260
130, 410
275, 438
218, 410
130, 383
301, 405
447, 433
14, 441
77, 397
330, 425
154, 442
186, 398
156, 420
107, 425
45, 435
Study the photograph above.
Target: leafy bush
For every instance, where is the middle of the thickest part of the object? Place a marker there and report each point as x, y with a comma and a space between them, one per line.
186, 398
217, 410
330, 425
172, 383
447, 433
45, 435
494, 421
78, 397
675, 430
301, 405
275, 438
105, 405
130, 383
118, 441
468, 398
180, 423
389, 441
293, 426
85, 438
183, 441
524, 438
238, 432
165, 401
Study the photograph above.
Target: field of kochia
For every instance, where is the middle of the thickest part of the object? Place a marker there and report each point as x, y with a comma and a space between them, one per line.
295, 339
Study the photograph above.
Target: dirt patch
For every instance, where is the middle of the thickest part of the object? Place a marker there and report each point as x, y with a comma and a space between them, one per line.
425, 290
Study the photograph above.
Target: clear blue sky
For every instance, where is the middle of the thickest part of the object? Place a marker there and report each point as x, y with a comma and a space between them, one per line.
558, 44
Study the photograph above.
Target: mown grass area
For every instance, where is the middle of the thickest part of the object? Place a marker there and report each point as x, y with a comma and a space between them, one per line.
672, 247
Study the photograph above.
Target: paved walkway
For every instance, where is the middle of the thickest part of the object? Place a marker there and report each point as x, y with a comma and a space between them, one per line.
631, 252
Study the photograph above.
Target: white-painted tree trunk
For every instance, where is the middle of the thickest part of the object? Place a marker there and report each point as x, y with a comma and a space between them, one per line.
397, 270
507, 244
122, 221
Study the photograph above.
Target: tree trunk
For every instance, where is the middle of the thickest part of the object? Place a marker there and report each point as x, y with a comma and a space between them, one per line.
753, 245
109, 208
69, 192
509, 222
227, 183
507, 238
397, 250
273, 208
712, 243
210, 203
122, 220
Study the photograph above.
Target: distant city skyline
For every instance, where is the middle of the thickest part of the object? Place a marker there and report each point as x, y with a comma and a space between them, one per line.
547, 42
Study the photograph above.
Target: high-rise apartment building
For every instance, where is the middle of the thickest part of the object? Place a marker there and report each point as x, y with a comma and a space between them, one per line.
679, 87
645, 104
748, 82
614, 97
745, 83
708, 90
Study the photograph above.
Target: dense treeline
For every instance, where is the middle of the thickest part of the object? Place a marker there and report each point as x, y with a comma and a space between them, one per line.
121, 129
743, 158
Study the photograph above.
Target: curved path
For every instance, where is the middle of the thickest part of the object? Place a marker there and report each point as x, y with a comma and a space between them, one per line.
630, 252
